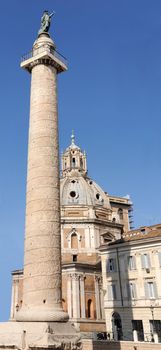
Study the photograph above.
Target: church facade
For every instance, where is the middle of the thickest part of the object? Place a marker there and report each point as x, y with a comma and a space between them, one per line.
89, 217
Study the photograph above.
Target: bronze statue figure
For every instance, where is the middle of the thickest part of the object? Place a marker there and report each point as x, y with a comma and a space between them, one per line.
45, 22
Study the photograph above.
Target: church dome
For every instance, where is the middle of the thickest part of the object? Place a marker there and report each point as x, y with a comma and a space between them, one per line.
80, 190
75, 186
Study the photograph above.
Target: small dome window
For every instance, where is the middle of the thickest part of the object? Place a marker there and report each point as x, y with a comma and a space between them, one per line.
73, 181
72, 194
97, 196
73, 162
90, 182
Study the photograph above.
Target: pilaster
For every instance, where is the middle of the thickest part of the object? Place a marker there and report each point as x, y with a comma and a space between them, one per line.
82, 296
75, 295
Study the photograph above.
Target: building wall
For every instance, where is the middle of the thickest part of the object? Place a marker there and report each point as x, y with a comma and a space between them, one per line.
141, 302
122, 345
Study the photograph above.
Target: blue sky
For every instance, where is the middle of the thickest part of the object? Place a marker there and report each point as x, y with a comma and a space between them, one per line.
110, 96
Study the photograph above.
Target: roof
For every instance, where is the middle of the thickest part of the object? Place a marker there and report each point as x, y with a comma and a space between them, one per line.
143, 232
138, 235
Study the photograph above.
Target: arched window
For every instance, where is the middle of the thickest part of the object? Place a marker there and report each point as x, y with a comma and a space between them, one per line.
120, 213
74, 241
73, 162
90, 311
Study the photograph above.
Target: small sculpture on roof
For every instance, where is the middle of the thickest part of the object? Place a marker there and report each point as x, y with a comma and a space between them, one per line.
45, 22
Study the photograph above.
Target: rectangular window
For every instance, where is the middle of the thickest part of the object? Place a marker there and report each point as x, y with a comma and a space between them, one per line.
145, 259
131, 290
111, 265
112, 292
150, 290
74, 258
131, 262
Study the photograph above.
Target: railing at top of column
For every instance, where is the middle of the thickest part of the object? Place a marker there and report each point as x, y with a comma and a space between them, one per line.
41, 49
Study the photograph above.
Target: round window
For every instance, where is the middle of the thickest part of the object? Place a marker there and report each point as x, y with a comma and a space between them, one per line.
72, 194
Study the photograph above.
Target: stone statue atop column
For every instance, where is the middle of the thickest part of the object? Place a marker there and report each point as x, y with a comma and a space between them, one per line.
45, 22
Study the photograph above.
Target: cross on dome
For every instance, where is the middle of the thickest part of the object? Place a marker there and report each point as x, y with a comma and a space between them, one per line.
73, 138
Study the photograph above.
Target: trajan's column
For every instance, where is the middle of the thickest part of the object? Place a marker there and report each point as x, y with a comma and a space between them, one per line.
41, 321
42, 255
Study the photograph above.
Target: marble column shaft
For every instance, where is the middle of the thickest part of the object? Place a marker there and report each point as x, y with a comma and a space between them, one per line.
42, 256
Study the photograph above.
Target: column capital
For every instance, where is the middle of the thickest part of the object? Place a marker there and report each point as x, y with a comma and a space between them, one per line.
44, 52
75, 276
15, 281
98, 278
82, 277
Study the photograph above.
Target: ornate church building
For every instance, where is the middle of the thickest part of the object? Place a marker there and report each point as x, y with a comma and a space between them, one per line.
89, 217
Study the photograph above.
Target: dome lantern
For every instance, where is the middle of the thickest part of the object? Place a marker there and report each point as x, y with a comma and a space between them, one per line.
73, 159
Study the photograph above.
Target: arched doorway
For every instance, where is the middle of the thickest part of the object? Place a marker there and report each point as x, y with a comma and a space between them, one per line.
117, 326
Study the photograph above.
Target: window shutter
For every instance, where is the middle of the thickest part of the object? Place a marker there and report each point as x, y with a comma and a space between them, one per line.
148, 259
159, 257
146, 290
114, 265
108, 265
155, 290
128, 291
134, 291
134, 262
114, 291
109, 288
143, 261
128, 263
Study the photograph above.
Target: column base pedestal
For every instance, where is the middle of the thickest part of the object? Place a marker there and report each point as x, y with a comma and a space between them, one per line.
39, 335
37, 314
